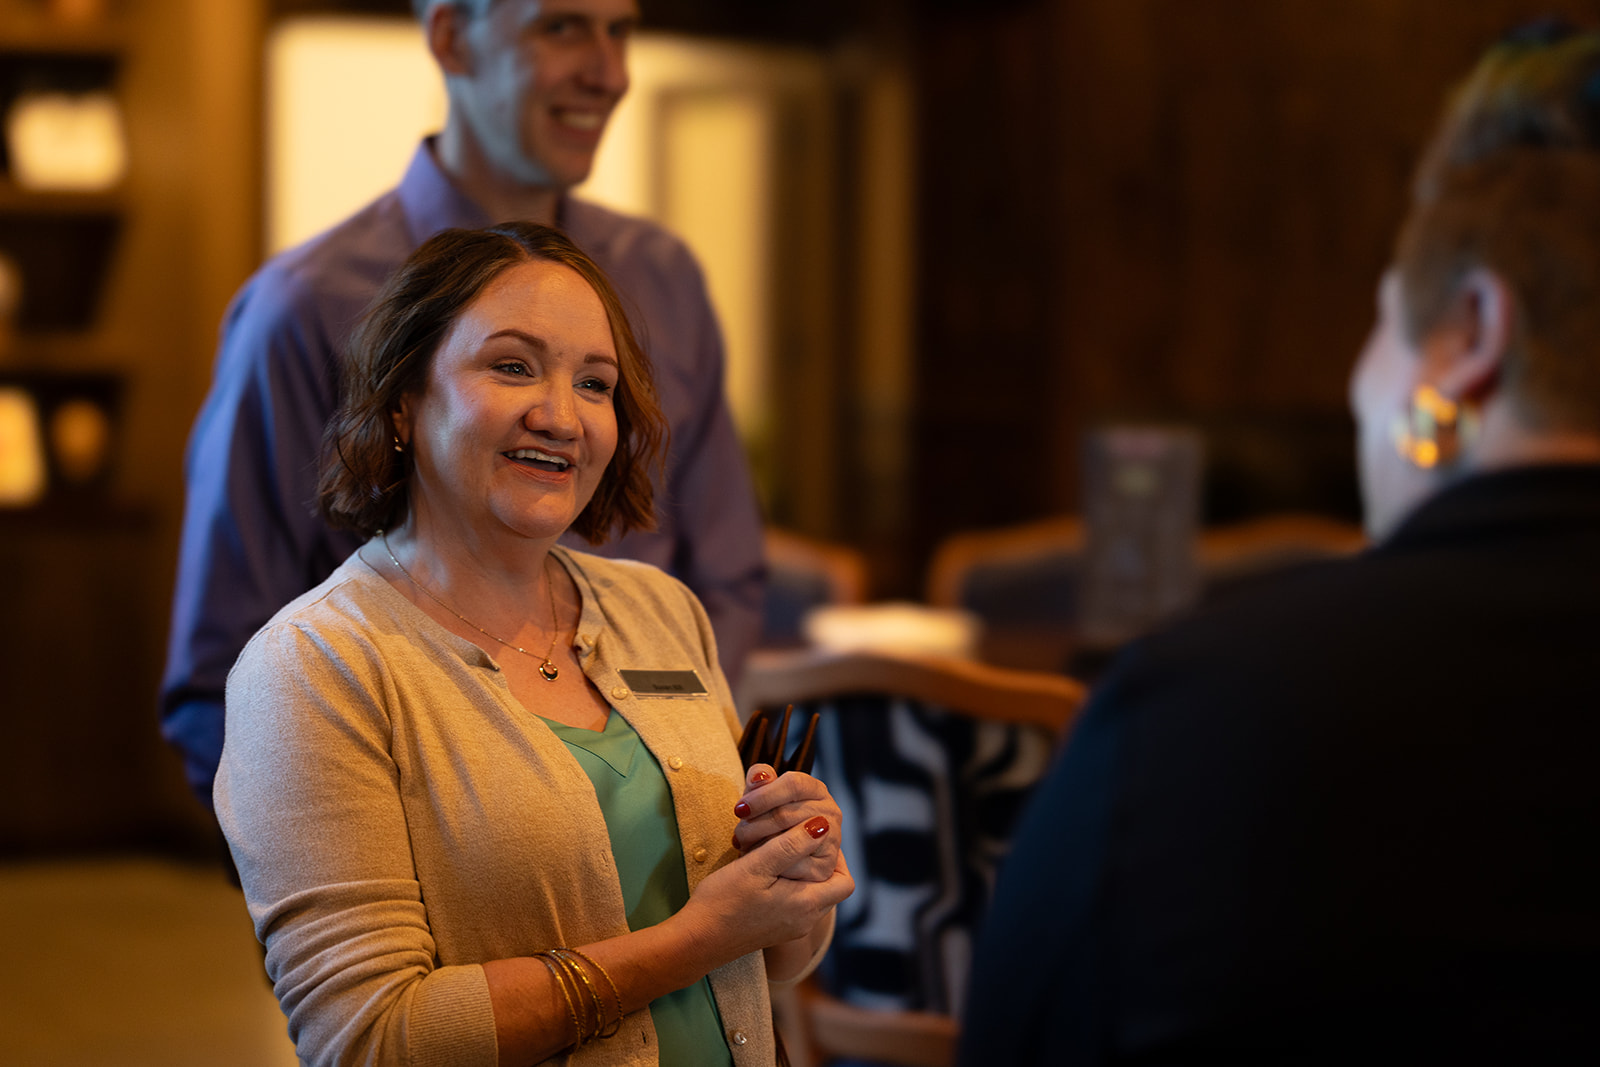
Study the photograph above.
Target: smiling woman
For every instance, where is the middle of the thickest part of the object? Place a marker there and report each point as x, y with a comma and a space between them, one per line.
424, 309
437, 774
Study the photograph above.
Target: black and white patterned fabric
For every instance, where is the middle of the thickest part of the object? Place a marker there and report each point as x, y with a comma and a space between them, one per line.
929, 799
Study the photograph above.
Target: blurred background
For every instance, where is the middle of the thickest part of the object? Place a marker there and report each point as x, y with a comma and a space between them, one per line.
945, 239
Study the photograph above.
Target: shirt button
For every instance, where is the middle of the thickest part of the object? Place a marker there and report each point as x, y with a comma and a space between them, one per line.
619, 692
737, 1037
700, 856
676, 763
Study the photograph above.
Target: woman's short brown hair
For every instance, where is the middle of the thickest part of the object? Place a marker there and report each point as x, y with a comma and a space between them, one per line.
364, 480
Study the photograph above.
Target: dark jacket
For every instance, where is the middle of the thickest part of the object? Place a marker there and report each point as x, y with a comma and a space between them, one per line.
1348, 817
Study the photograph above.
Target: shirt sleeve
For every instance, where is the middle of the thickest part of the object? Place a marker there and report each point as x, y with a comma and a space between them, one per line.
308, 795
712, 498
251, 540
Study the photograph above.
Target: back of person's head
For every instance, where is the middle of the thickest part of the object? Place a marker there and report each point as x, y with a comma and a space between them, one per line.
1537, 88
1530, 216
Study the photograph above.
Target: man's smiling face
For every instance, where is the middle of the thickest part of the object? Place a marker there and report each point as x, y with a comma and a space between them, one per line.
542, 79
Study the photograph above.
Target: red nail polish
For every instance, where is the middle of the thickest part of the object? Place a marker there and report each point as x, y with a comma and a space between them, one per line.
736, 842
742, 810
761, 776
818, 827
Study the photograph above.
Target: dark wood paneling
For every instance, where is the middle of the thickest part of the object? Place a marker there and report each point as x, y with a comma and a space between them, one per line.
78, 672
1169, 210
990, 95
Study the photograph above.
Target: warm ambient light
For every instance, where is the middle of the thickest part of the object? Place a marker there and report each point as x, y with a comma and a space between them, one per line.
22, 462
66, 141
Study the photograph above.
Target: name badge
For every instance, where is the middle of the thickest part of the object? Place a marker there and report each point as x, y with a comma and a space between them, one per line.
664, 683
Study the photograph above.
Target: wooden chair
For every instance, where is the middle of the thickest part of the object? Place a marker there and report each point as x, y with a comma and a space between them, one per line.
1024, 582
803, 573
1246, 552
934, 699
961, 561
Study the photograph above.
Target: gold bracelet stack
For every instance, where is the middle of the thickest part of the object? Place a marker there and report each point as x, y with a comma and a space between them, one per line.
567, 967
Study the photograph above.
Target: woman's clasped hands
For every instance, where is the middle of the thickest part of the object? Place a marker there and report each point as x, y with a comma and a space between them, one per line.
790, 874
774, 804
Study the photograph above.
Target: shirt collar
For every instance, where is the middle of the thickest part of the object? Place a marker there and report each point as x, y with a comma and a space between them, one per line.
432, 202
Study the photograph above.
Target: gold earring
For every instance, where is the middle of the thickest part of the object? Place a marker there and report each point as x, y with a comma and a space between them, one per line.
1433, 429
397, 446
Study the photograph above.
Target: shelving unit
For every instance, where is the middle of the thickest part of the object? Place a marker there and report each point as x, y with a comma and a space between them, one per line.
63, 242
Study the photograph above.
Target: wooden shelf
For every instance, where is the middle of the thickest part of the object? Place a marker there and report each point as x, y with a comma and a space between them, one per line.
27, 31
15, 200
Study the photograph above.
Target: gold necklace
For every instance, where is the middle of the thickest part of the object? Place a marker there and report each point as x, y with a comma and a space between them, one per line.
548, 670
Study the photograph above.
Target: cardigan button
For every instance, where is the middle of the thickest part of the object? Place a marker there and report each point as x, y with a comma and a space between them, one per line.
585, 640
701, 855
676, 763
620, 692
737, 1037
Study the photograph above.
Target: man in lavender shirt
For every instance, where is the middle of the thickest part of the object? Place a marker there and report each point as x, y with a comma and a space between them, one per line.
530, 84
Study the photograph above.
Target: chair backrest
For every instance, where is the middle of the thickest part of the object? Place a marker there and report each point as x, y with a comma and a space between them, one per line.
931, 760
1245, 552
999, 573
1024, 582
803, 573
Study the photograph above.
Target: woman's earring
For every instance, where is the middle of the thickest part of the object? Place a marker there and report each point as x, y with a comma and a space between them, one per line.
397, 446
1433, 429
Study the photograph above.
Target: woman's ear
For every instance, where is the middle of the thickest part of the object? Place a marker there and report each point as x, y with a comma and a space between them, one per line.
400, 418
445, 28
1464, 355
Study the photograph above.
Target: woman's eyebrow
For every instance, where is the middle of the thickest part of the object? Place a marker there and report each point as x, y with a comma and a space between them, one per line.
532, 340
539, 343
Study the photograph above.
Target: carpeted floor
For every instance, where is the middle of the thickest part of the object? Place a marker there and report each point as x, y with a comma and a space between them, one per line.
131, 962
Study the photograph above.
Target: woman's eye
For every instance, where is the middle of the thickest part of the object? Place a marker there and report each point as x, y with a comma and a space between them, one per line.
596, 385
512, 366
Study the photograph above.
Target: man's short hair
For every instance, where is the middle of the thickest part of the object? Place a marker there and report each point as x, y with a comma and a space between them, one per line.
1530, 216
475, 7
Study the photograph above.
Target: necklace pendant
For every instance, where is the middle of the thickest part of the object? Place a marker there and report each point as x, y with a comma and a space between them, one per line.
549, 670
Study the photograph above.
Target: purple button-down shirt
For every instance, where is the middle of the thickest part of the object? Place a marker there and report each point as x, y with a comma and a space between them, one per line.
251, 538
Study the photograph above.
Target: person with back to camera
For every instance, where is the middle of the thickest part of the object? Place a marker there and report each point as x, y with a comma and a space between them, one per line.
530, 84
481, 789
1349, 818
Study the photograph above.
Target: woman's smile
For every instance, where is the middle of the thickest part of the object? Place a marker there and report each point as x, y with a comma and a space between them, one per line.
538, 459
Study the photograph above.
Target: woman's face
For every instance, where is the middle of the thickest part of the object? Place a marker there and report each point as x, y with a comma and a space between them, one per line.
515, 426
1385, 377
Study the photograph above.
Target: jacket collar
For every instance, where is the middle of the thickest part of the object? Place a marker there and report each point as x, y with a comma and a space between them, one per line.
1496, 503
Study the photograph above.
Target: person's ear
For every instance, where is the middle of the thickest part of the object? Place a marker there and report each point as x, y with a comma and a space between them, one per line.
445, 28
400, 419
1465, 354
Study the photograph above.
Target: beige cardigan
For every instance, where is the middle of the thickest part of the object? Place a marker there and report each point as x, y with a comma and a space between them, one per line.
397, 817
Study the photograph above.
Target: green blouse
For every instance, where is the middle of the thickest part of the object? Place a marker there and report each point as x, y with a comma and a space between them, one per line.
644, 836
